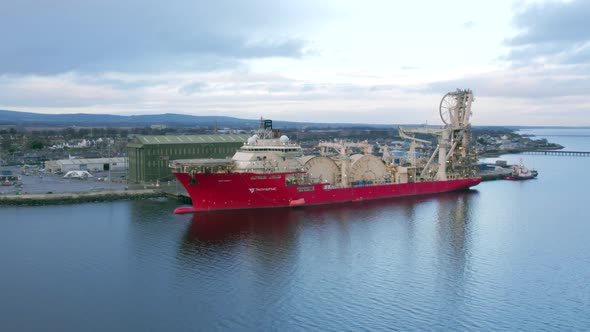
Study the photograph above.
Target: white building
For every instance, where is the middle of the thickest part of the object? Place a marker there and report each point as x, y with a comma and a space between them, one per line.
118, 164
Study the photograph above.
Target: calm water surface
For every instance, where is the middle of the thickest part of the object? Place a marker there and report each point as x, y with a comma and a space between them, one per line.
504, 256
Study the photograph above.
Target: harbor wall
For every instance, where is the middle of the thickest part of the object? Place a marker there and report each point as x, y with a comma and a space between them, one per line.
78, 197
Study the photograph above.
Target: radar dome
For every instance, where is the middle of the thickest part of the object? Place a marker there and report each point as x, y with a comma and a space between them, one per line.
252, 140
284, 139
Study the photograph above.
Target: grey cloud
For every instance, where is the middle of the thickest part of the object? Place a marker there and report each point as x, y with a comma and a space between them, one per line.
469, 25
554, 22
525, 55
192, 88
134, 35
510, 85
383, 87
118, 84
308, 87
579, 56
550, 33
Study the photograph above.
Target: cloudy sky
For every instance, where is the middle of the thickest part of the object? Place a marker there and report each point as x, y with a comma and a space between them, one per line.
373, 61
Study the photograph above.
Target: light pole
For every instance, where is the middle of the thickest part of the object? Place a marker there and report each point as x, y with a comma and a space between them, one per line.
110, 163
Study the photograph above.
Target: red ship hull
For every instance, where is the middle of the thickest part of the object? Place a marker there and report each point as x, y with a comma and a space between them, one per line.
227, 191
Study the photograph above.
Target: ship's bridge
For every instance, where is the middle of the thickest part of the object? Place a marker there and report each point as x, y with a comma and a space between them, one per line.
268, 156
206, 166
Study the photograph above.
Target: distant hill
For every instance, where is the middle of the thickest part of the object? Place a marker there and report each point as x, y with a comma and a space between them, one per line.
30, 119
82, 119
169, 119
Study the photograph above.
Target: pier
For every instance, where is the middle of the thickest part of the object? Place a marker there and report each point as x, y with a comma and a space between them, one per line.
559, 153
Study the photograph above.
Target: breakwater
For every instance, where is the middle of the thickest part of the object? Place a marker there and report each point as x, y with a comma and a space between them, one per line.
78, 197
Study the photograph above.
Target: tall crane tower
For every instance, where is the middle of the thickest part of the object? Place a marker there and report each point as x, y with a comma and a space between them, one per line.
453, 149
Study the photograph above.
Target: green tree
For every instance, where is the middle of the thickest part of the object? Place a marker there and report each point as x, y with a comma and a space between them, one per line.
36, 145
83, 132
6, 142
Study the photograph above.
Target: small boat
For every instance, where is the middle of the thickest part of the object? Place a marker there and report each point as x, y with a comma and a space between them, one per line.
520, 172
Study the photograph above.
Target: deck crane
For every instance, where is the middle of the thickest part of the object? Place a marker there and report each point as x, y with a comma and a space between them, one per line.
413, 140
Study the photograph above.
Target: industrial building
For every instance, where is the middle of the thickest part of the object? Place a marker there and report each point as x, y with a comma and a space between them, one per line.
118, 164
149, 155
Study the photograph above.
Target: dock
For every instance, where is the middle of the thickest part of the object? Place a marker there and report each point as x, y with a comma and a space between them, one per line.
181, 197
494, 174
78, 197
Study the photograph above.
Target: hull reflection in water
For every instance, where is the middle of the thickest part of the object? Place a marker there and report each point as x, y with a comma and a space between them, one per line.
220, 226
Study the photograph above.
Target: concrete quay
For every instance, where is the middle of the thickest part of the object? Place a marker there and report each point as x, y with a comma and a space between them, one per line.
494, 174
78, 197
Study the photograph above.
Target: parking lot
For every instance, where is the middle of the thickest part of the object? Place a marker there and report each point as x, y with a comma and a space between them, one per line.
35, 181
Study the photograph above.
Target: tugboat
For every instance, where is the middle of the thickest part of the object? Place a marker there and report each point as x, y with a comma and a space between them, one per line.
269, 171
520, 172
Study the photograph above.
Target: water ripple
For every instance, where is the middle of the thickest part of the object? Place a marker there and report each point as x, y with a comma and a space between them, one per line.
455, 262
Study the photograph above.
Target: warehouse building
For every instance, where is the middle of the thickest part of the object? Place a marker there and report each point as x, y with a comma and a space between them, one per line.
149, 155
118, 164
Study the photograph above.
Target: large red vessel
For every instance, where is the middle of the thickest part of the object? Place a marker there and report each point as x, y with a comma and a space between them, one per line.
269, 171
